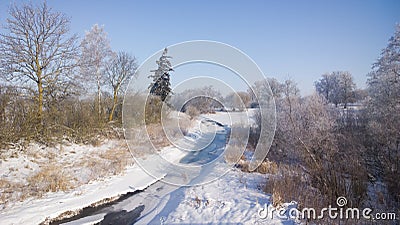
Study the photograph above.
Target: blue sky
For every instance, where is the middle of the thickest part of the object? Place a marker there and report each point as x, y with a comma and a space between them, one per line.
287, 39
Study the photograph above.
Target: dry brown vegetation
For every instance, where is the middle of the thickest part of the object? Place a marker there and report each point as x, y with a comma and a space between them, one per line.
50, 178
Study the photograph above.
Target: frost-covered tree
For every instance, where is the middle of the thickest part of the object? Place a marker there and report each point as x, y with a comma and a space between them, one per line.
238, 100
383, 111
205, 99
337, 87
38, 50
96, 54
260, 89
119, 71
328, 86
161, 85
307, 133
347, 88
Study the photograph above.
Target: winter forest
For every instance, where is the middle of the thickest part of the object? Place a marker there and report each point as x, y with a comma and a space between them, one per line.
63, 132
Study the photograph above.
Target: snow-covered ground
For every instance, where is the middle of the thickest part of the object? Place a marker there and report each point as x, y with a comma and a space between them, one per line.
233, 118
35, 211
18, 165
236, 197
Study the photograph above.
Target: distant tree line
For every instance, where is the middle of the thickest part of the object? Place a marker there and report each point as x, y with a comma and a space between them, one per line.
208, 99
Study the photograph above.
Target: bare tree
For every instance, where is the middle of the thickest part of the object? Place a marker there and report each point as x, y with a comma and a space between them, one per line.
37, 49
121, 69
96, 53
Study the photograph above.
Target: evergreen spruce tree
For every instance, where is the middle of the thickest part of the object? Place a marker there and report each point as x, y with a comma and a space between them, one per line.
161, 85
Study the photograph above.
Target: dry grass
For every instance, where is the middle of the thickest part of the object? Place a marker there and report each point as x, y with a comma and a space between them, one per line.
142, 139
289, 184
171, 129
281, 187
266, 167
12, 191
117, 160
50, 178
110, 162
6, 189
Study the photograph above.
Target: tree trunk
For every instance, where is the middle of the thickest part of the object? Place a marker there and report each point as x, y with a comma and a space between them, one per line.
115, 101
40, 100
98, 96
